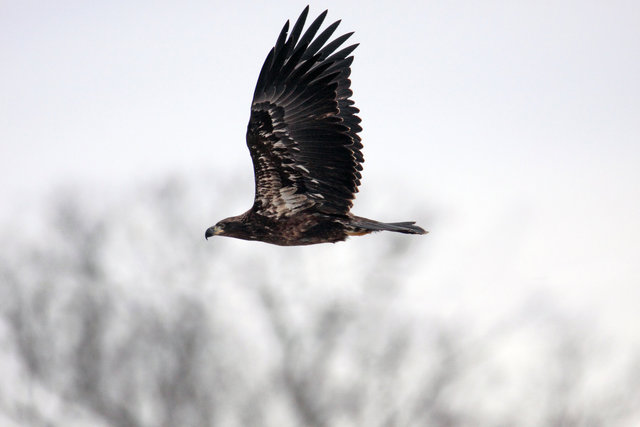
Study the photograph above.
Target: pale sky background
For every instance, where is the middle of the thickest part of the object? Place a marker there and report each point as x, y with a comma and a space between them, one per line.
514, 126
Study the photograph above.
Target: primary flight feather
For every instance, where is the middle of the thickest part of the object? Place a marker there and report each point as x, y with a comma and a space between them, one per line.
304, 144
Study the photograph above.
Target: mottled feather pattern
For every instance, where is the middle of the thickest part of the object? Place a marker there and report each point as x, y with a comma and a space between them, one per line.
302, 133
279, 179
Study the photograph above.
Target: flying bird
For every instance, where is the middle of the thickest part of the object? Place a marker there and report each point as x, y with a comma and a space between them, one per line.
304, 144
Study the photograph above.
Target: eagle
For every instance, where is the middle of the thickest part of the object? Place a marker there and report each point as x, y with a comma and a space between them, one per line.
304, 145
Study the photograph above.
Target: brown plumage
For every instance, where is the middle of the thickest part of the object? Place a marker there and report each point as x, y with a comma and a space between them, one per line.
304, 144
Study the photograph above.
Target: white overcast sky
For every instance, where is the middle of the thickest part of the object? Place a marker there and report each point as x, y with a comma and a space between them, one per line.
515, 119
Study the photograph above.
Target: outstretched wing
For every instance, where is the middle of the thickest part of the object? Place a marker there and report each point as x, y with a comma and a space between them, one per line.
303, 131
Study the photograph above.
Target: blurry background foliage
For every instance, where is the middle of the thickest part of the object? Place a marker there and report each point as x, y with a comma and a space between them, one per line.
122, 315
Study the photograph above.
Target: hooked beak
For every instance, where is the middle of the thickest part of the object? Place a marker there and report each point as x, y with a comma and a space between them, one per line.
212, 231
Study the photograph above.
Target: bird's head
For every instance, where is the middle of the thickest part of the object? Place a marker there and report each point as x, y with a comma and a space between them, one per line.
216, 230
232, 227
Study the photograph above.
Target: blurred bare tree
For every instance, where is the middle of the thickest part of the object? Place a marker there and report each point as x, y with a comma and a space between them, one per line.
120, 317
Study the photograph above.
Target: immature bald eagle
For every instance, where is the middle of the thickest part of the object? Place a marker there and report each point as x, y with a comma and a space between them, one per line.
304, 143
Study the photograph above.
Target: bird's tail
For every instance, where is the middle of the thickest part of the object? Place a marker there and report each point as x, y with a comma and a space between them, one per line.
365, 226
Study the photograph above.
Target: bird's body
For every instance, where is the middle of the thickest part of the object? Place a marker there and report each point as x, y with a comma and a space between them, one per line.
304, 144
306, 228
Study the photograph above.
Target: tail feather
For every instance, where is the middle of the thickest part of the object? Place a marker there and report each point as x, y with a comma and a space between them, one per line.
406, 227
369, 225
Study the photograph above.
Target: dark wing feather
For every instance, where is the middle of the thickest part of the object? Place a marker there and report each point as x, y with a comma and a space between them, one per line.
303, 130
